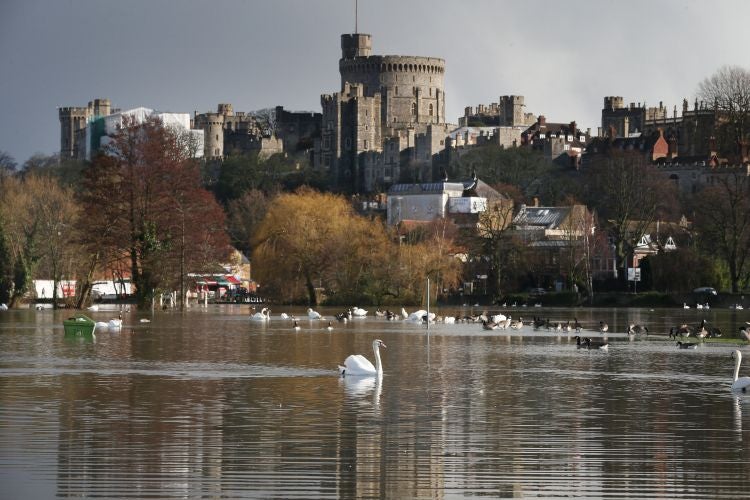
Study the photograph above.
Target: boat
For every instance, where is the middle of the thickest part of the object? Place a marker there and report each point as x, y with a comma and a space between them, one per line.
80, 324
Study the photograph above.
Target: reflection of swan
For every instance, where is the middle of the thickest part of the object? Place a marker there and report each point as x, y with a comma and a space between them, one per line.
358, 365
740, 383
361, 386
738, 417
263, 315
313, 314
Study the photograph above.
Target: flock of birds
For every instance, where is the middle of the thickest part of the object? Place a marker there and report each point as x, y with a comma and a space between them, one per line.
357, 365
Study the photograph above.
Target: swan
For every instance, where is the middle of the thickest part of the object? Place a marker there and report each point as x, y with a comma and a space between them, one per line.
313, 314
115, 323
739, 383
497, 318
93, 308
685, 306
744, 334
145, 320
263, 315
284, 316
687, 345
359, 312
358, 365
102, 324
3, 307
404, 314
449, 320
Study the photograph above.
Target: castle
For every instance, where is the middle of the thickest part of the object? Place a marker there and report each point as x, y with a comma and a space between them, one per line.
389, 112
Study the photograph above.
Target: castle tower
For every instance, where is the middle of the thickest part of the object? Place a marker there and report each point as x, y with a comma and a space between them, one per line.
355, 45
72, 120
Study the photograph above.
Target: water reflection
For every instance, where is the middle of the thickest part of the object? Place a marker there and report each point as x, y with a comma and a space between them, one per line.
213, 404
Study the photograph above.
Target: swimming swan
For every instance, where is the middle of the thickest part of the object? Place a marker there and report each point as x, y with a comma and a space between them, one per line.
358, 365
739, 383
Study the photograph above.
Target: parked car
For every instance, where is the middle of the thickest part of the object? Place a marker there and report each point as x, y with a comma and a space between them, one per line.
537, 291
705, 289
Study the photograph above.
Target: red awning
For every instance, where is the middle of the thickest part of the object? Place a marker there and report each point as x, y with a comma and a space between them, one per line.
232, 280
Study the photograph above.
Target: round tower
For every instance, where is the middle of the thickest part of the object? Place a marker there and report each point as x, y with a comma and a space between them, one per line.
213, 135
355, 45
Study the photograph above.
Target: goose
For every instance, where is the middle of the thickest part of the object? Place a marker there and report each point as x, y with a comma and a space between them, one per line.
596, 344
517, 325
683, 331
263, 315
489, 326
313, 314
505, 324
579, 344
603, 327
357, 365
295, 327
329, 327
687, 345
577, 326
739, 383
634, 329
379, 313
744, 333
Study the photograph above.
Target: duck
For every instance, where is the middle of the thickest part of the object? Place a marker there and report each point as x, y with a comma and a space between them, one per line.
603, 327
739, 383
687, 345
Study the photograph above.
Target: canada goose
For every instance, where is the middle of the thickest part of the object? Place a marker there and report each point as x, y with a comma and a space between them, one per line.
687, 345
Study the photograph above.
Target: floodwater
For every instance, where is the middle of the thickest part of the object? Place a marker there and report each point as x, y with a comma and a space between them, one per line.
212, 404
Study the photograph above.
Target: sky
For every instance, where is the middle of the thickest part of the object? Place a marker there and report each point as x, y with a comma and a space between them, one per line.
190, 55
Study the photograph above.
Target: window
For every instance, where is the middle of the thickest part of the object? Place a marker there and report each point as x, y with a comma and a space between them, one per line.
365, 143
414, 109
395, 90
430, 109
430, 91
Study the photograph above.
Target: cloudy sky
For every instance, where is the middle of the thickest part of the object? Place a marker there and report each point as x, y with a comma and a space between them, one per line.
188, 55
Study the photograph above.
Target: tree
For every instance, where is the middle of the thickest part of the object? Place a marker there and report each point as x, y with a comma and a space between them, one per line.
297, 243
722, 219
581, 243
495, 242
244, 215
629, 195
7, 164
35, 212
729, 91
148, 193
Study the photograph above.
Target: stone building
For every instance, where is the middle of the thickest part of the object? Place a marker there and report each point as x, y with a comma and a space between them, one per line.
507, 112
384, 101
73, 123
233, 132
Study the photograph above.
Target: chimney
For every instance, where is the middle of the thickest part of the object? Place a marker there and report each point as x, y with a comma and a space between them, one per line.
542, 121
626, 127
536, 201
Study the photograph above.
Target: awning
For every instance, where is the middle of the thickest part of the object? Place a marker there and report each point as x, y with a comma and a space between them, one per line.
232, 280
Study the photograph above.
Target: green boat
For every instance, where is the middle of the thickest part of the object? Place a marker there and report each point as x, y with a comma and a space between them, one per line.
79, 324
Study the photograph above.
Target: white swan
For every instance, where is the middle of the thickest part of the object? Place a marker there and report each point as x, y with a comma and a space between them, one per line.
115, 323
359, 312
744, 333
284, 316
145, 320
739, 383
93, 308
497, 318
685, 306
313, 314
358, 365
3, 307
263, 315
404, 313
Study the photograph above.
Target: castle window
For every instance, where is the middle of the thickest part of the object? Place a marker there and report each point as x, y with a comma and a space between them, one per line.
365, 143
414, 109
395, 90
217, 137
348, 143
430, 109
430, 91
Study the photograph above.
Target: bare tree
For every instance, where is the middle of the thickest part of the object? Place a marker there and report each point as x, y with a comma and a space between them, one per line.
723, 221
729, 91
